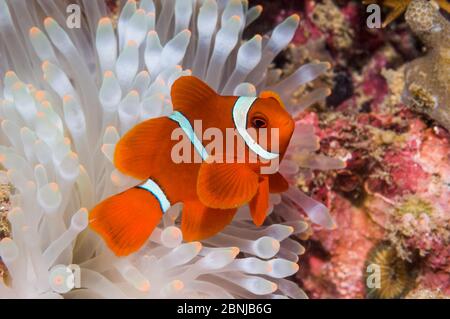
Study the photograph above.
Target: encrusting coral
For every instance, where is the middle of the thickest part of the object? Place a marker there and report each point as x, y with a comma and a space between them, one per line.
330, 19
427, 87
67, 97
396, 275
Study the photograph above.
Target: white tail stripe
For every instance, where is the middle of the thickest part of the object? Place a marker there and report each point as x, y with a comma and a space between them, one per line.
154, 188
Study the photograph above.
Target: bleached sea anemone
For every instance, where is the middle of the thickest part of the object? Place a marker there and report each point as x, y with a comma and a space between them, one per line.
67, 95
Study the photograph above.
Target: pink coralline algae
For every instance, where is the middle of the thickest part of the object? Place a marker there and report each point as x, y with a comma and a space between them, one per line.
392, 196
394, 188
335, 267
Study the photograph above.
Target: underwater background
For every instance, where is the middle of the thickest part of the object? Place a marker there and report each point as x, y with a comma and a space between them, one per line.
391, 201
367, 212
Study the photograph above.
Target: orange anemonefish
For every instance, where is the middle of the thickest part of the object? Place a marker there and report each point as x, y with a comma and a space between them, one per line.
210, 191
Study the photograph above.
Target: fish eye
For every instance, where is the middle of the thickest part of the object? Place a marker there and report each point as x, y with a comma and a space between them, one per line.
259, 122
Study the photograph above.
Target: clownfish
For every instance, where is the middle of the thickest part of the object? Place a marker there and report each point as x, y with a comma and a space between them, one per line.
211, 191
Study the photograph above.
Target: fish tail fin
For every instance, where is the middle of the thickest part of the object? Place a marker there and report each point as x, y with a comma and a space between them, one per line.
126, 220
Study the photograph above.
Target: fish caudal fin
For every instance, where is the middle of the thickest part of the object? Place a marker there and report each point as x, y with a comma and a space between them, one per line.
199, 222
226, 185
126, 220
260, 203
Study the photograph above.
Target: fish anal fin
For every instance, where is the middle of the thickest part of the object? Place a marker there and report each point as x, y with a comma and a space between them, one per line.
126, 220
199, 222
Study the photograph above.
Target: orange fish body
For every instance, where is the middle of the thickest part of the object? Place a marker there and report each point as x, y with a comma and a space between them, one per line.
210, 190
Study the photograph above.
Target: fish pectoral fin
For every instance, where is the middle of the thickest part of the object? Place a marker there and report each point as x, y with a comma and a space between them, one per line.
199, 222
226, 185
260, 202
277, 183
126, 220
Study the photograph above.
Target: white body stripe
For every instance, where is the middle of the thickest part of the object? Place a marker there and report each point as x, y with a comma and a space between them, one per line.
240, 112
183, 122
154, 188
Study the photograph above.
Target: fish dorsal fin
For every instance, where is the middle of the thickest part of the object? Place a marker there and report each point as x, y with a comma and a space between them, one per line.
273, 95
190, 92
138, 152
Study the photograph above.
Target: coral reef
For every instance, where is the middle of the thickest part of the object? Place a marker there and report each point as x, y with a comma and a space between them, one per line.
394, 188
68, 96
397, 276
334, 262
428, 78
5, 227
332, 21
